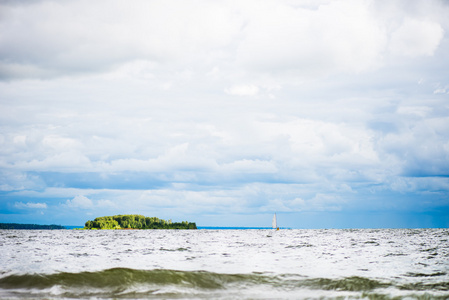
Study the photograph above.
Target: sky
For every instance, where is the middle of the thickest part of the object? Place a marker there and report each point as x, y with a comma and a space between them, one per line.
332, 114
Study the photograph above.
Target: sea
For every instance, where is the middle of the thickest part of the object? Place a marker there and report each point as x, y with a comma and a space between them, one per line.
225, 264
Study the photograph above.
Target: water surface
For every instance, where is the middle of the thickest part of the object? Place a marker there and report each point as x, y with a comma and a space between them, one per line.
226, 264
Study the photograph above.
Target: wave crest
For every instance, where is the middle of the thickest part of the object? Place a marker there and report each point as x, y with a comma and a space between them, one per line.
126, 283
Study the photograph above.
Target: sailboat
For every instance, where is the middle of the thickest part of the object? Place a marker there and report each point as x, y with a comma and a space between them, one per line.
274, 223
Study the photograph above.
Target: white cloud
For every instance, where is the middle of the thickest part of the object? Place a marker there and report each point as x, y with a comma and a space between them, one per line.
106, 204
80, 201
59, 143
416, 37
441, 90
14, 180
70, 160
321, 202
152, 104
250, 166
242, 90
337, 36
30, 205
419, 111
144, 38
158, 32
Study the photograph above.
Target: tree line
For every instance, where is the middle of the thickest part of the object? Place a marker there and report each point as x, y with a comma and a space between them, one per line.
29, 226
136, 222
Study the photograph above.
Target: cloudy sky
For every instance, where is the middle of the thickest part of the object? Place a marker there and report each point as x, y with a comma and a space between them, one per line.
333, 114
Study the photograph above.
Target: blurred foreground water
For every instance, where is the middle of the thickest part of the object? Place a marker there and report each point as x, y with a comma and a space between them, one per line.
225, 264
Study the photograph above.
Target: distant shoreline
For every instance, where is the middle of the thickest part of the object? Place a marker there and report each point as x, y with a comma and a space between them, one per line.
203, 228
13, 226
71, 227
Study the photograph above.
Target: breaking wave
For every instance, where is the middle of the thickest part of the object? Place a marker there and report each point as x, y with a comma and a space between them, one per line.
170, 284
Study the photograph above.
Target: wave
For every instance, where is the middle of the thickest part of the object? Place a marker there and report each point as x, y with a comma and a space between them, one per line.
132, 283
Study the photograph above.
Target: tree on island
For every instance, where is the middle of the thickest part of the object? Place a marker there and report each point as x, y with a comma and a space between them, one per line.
135, 222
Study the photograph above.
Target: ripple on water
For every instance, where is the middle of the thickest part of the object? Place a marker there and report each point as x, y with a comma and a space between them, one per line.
330, 263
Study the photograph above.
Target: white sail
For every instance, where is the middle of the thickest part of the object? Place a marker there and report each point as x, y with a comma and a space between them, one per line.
274, 222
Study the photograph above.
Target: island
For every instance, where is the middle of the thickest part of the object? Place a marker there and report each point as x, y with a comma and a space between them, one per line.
136, 222
29, 226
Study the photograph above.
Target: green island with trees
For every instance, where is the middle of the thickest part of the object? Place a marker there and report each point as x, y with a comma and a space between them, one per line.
136, 222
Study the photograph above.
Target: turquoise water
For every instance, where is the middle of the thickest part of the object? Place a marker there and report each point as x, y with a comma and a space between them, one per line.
225, 264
